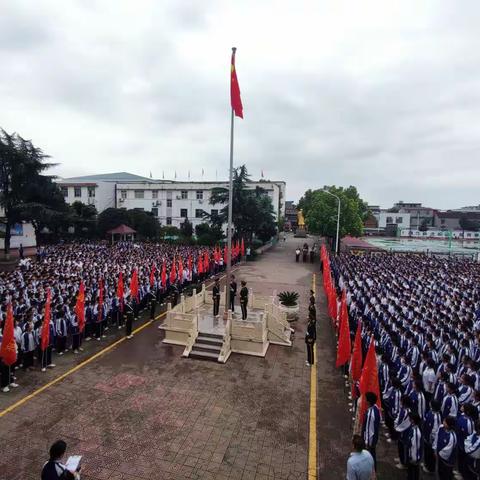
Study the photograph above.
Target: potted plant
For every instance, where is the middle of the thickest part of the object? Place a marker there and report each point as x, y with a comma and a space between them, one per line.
289, 304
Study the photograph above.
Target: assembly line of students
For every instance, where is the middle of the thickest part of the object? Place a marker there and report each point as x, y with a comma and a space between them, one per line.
62, 268
424, 314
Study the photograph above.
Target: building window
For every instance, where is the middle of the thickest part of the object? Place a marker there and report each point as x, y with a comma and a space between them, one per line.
169, 220
199, 194
399, 219
139, 194
155, 211
77, 191
183, 213
184, 194
154, 193
442, 221
198, 213
214, 212
123, 194
64, 191
169, 202
389, 220
91, 192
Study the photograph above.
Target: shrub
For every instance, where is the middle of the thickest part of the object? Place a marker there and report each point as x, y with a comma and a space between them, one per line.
288, 299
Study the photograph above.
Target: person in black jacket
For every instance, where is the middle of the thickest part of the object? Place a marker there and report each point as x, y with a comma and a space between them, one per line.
216, 297
233, 292
54, 468
244, 299
310, 338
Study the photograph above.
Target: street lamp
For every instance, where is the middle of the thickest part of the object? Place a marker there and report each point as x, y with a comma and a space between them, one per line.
337, 239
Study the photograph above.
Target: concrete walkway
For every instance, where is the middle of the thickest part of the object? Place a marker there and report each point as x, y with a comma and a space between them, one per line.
143, 412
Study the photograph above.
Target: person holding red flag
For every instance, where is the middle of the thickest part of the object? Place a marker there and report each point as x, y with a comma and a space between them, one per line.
8, 352
120, 299
100, 312
78, 322
356, 362
344, 344
47, 336
173, 272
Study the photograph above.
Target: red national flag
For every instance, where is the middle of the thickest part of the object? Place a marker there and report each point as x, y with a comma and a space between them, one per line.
356, 361
369, 379
8, 350
173, 272
134, 285
46, 322
100, 301
235, 99
120, 291
152, 276
344, 344
164, 275
80, 307
242, 248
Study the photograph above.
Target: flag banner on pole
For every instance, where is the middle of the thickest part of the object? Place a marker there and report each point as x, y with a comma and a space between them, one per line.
80, 307
344, 345
45, 340
235, 99
100, 300
120, 291
8, 349
369, 379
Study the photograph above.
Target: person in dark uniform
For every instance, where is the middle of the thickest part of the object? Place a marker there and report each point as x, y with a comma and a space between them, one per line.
305, 252
310, 338
233, 292
54, 469
216, 297
312, 310
129, 312
153, 304
244, 299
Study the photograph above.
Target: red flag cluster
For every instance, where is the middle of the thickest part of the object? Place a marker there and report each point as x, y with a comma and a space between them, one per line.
328, 285
80, 307
344, 345
8, 350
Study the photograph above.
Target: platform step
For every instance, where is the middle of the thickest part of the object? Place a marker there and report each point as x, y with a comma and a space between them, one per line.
205, 347
200, 355
214, 341
211, 335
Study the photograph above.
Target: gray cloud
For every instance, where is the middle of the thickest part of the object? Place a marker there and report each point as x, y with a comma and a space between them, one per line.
383, 96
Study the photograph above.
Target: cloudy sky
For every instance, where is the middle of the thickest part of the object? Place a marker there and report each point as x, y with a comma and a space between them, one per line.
384, 95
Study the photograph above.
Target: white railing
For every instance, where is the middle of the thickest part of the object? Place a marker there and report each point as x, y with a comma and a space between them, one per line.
227, 337
277, 325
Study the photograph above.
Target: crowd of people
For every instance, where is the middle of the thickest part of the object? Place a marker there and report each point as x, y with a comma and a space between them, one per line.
423, 313
160, 270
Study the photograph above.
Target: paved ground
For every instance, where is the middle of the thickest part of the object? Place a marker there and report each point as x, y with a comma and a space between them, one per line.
142, 412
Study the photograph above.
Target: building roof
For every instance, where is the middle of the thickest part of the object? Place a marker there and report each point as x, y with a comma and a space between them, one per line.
108, 177
122, 230
457, 214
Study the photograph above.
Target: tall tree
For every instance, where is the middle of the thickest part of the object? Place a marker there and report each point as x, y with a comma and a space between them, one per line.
21, 167
320, 211
252, 209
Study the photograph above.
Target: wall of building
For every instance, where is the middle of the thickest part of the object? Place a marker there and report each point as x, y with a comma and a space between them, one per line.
440, 234
23, 234
99, 194
402, 220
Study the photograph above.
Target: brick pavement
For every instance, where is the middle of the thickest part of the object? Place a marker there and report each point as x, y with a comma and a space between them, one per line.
141, 411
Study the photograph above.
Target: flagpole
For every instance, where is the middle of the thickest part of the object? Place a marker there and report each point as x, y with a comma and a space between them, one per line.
229, 226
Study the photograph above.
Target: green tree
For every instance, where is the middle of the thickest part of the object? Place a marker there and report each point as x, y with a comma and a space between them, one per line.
21, 167
320, 210
252, 209
208, 234
112, 218
84, 219
186, 228
144, 223
467, 223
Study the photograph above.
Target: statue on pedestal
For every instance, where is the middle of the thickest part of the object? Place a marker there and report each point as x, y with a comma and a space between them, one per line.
301, 232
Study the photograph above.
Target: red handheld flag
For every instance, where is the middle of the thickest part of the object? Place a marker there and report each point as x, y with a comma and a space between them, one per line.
134, 285
80, 307
344, 344
120, 291
235, 99
164, 275
152, 276
8, 350
173, 272
369, 379
46, 322
180, 270
190, 267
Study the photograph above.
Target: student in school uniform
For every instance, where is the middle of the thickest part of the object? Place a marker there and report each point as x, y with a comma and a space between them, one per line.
433, 421
445, 446
450, 402
54, 469
414, 447
472, 450
371, 425
464, 428
28, 347
61, 332
402, 425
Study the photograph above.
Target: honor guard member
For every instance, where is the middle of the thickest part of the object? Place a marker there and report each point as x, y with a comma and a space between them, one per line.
312, 310
233, 292
129, 312
216, 297
244, 299
310, 338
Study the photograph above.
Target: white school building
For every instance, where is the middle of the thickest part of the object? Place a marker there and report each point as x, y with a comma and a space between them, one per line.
169, 201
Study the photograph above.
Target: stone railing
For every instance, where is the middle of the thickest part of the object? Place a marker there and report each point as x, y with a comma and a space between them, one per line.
180, 328
226, 347
279, 331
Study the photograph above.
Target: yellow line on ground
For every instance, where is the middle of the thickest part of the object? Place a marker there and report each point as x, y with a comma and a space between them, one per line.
85, 362
312, 438
74, 369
